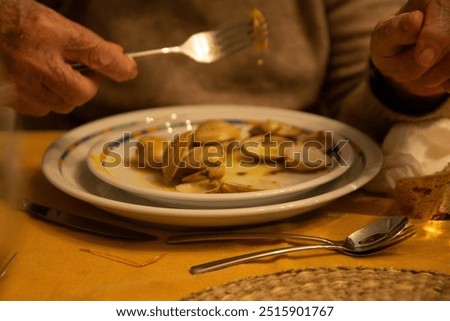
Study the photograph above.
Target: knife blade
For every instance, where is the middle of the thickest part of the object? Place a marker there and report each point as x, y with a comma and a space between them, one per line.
83, 223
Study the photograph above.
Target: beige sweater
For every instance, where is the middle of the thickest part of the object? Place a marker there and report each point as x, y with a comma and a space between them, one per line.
317, 58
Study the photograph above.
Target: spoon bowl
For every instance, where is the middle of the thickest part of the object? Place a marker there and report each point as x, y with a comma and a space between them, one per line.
371, 235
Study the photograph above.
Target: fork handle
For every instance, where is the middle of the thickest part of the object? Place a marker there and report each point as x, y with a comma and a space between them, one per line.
165, 50
230, 261
161, 51
205, 237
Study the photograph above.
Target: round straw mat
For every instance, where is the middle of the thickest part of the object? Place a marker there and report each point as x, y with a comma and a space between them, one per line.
328, 284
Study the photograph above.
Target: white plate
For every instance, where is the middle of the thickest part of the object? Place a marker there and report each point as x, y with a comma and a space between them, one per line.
113, 160
64, 164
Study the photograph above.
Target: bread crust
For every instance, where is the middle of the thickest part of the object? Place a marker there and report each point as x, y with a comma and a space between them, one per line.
426, 197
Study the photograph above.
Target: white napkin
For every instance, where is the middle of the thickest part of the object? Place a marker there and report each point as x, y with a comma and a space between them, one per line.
411, 150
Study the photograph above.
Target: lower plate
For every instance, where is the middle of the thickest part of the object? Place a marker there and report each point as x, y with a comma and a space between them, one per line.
64, 165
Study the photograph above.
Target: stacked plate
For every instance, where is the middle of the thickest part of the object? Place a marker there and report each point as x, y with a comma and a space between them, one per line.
96, 163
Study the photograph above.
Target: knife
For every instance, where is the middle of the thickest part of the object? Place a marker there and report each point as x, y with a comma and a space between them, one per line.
83, 223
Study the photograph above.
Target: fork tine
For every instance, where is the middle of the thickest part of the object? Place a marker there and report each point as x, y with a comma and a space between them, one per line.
238, 33
235, 47
237, 28
240, 37
401, 236
406, 230
242, 31
406, 233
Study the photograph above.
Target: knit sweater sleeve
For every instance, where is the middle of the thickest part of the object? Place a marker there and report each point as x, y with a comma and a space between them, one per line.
363, 109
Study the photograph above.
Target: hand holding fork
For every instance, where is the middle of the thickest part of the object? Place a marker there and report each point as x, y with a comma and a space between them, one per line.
210, 46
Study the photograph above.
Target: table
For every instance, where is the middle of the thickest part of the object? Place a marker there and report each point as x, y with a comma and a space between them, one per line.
53, 262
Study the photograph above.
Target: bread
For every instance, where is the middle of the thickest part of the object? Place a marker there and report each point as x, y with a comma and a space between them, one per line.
426, 197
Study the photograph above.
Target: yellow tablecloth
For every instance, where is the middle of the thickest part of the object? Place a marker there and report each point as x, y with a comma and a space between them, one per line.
52, 262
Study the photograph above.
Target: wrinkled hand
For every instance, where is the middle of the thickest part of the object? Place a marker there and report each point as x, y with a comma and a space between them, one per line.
433, 44
37, 46
412, 49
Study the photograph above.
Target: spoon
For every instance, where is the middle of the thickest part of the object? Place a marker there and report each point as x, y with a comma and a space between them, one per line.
363, 241
391, 223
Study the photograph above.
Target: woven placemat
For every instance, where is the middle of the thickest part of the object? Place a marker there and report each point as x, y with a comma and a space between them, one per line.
332, 284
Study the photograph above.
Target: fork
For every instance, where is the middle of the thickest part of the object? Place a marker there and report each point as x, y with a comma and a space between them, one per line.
209, 46
243, 236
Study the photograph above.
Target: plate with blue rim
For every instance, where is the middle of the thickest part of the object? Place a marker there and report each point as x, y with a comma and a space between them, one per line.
66, 165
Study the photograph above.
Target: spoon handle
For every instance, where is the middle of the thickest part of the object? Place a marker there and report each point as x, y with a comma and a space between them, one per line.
230, 261
229, 236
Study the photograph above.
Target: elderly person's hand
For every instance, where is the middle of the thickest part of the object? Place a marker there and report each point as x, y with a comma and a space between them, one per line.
433, 43
412, 50
37, 46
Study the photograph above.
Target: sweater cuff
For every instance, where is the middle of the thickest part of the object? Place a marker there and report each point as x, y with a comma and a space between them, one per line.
406, 104
365, 111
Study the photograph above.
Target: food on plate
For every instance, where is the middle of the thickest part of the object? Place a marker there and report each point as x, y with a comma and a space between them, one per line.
198, 160
157, 145
276, 128
216, 130
426, 197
